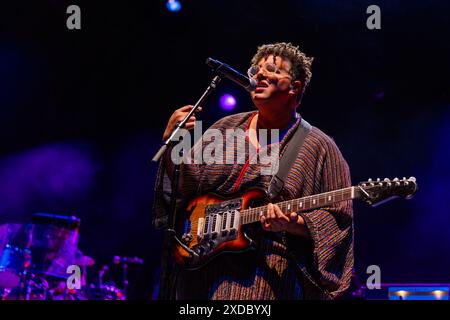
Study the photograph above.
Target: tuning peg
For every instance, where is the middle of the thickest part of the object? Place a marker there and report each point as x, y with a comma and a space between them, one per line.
412, 179
378, 179
395, 179
370, 180
404, 178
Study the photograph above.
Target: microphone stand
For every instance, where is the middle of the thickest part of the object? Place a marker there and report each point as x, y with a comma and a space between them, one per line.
168, 267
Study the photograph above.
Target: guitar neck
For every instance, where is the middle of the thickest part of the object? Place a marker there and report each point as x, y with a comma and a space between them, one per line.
303, 204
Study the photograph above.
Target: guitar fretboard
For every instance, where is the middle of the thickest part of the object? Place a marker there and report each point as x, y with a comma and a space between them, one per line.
302, 204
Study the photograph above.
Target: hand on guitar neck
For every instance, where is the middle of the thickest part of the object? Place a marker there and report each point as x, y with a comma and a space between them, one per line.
275, 220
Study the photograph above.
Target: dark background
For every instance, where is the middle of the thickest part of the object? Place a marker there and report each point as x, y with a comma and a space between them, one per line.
82, 113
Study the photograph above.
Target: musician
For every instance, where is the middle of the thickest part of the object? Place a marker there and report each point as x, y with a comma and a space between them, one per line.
298, 256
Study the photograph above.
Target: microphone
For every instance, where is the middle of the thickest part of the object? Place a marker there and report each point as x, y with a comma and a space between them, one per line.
133, 260
228, 72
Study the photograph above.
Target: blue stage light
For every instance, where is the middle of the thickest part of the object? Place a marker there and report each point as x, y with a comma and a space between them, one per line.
173, 5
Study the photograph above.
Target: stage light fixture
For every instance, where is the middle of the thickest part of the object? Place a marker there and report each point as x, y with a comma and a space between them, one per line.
227, 102
173, 5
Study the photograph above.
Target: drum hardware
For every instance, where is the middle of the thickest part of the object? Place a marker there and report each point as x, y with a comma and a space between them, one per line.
34, 258
125, 261
101, 275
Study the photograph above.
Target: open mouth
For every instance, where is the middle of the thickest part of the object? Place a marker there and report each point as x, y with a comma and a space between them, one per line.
261, 86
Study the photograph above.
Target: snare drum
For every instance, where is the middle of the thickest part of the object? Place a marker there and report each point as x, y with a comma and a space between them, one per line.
12, 266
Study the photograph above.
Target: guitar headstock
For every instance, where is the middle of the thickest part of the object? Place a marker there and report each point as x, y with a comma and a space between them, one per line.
376, 192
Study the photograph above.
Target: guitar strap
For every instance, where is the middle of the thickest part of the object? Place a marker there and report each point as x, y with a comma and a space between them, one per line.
288, 158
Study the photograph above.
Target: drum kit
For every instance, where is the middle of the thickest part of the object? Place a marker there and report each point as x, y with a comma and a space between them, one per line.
35, 260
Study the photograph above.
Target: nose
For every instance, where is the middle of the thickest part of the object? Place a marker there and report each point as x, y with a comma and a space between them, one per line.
261, 74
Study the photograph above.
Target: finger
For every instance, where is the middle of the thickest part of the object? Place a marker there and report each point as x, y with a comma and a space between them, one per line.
189, 125
279, 214
191, 120
265, 225
186, 108
270, 211
293, 216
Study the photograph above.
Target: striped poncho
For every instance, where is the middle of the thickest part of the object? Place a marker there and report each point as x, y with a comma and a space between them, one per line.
283, 266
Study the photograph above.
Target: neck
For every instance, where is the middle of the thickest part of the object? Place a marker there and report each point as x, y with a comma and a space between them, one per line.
303, 204
274, 120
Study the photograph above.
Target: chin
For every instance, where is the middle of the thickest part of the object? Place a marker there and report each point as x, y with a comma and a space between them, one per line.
260, 96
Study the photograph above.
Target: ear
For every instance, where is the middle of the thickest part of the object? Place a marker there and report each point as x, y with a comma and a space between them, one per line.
295, 87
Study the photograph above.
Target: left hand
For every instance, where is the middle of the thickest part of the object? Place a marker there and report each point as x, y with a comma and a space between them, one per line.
276, 221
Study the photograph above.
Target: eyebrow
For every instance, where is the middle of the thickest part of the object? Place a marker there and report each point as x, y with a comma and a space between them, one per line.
275, 63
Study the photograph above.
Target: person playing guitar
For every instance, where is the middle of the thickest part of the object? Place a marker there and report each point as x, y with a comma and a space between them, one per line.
296, 254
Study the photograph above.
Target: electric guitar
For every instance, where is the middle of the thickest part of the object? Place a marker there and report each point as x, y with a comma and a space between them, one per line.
214, 224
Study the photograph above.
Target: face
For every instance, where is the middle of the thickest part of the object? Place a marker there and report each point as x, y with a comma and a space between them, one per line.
273, 83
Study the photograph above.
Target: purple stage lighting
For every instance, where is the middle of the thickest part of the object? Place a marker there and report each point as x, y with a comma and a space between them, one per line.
227, 102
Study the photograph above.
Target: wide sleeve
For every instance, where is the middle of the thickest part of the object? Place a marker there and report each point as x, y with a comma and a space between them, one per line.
189, 183
331, 229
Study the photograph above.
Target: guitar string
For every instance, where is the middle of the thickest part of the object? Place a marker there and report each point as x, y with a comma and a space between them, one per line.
252, 214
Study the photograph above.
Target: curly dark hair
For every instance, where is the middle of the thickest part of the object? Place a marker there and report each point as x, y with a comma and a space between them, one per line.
301, 64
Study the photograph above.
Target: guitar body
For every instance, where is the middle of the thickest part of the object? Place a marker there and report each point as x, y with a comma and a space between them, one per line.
211, 226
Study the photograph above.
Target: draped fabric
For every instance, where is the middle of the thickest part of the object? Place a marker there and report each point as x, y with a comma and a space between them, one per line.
283, 266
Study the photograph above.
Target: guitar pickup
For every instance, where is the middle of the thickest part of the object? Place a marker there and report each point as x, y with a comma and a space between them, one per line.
225, 223
210, 226
207, 227
200, 226
216, 225
230, 222
235, 219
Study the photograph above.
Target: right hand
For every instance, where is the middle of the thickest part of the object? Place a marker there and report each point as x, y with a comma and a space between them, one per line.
178, 116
